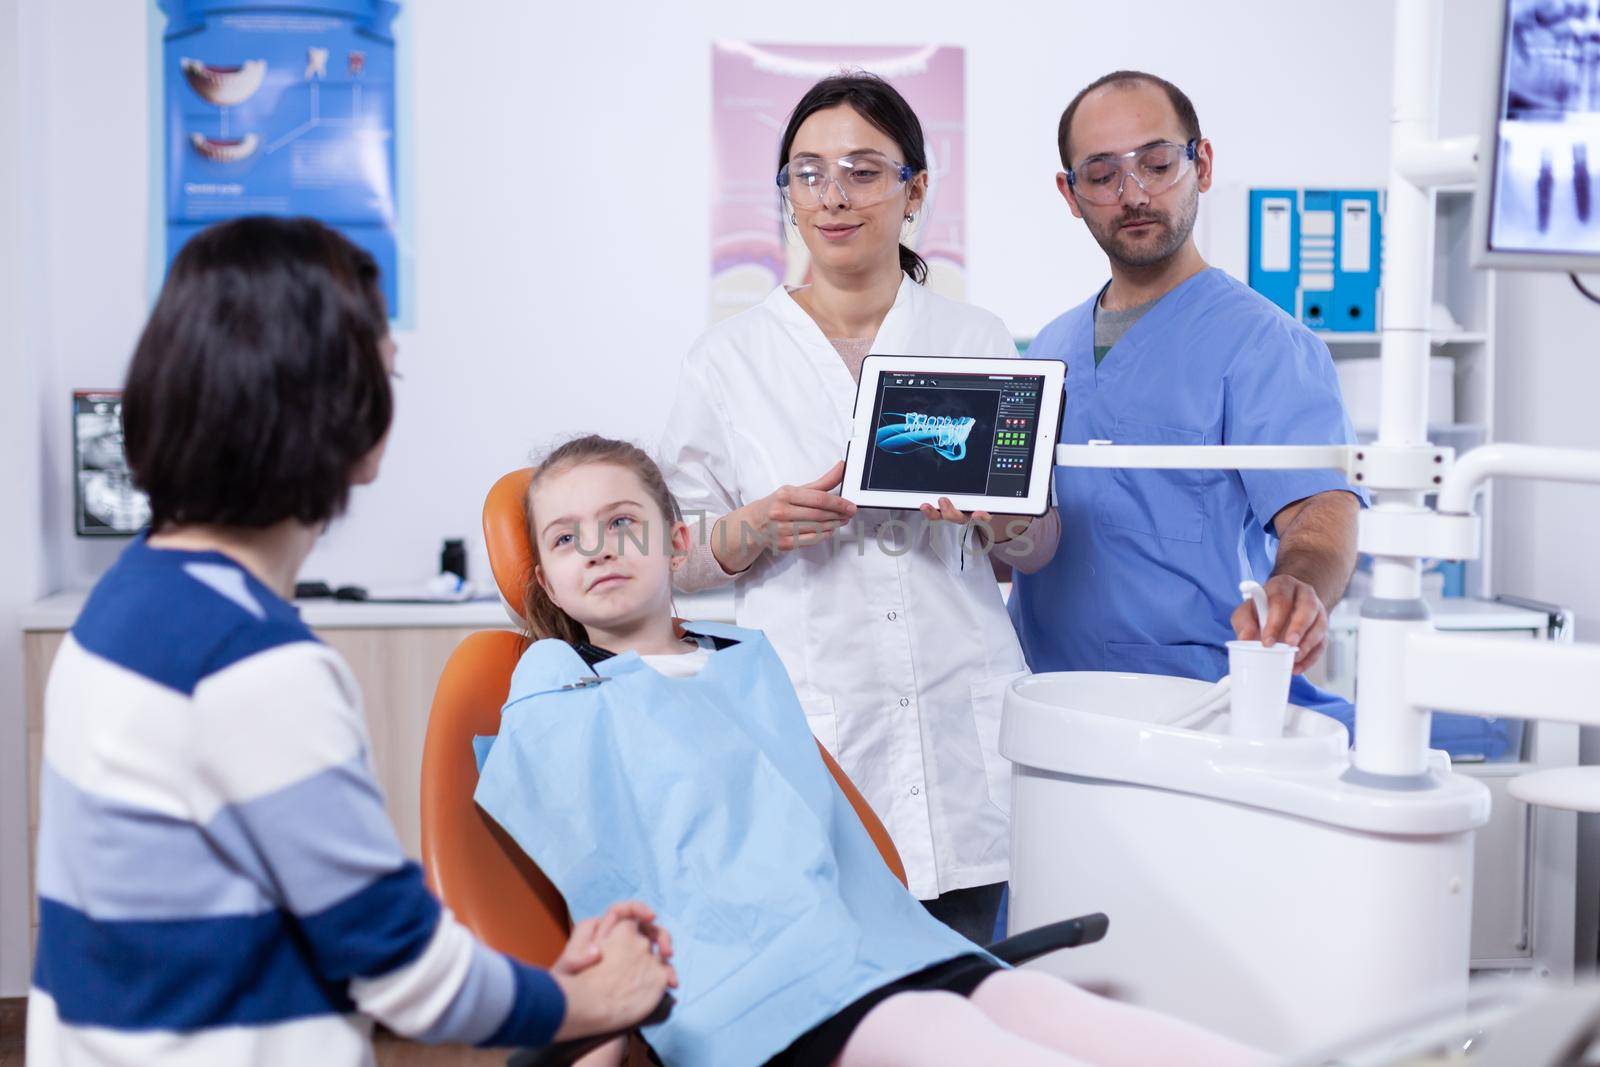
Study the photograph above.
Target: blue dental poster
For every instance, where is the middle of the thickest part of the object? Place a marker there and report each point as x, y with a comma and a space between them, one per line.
278, 107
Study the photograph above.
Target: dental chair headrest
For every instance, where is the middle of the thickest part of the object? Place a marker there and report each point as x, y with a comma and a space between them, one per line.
505, 532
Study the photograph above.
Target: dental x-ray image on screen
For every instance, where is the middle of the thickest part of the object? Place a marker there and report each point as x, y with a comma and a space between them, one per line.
980, 431
1547, 141
933, 440
108, 504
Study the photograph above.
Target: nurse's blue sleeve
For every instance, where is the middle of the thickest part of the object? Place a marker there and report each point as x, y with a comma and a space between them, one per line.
1282, 390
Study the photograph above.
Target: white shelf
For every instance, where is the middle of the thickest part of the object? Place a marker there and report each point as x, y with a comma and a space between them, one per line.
1334, 337
1438, 433
1454, 613
60, 611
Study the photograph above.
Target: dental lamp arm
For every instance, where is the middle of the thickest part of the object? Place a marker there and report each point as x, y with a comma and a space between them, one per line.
1316, 556
1474, 468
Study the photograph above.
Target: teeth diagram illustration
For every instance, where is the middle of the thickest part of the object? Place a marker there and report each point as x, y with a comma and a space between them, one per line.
225, 149
286, 107
910, 431
224, 86
227, 86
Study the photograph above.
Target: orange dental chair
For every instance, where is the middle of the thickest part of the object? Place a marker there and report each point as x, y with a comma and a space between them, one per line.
479, 871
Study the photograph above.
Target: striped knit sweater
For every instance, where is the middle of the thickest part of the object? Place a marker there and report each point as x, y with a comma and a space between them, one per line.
218, 880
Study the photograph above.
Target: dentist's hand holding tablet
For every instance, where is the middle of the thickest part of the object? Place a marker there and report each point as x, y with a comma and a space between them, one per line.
791, 517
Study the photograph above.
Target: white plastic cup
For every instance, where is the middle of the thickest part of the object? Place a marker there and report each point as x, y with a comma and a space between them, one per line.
1261, 678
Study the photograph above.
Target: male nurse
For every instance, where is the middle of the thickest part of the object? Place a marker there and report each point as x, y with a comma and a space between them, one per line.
1173, 352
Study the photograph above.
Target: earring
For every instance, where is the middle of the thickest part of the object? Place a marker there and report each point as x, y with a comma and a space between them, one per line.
795, 219
911, 218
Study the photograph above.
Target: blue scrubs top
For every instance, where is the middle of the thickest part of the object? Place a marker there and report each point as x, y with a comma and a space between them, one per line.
1148, 571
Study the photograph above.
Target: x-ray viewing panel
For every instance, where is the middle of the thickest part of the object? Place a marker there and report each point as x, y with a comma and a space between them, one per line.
107, 504
1536, 191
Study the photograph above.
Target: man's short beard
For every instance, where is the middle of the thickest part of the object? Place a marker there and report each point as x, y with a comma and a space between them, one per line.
1177, 231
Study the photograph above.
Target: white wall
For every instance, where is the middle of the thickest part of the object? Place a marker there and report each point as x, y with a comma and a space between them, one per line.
555, 296
21, 575
1548, 381
85, 165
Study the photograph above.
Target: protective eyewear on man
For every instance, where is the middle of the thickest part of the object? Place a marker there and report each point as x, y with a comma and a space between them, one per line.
862, 180
1154, 168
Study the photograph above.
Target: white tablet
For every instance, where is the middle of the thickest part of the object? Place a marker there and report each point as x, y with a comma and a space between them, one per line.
979, 431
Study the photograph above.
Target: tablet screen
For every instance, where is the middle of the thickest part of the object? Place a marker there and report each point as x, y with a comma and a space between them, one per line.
946, 434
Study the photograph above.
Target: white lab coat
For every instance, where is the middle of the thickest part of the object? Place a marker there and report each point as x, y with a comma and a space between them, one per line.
900, 654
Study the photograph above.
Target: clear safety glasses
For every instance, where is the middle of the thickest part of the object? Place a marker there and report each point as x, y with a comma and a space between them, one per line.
1154, 168
862, 180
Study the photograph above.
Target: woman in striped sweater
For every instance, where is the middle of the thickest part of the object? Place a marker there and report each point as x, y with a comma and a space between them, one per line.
218, 881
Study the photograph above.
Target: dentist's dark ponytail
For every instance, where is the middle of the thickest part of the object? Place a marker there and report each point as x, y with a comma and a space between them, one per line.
913, 265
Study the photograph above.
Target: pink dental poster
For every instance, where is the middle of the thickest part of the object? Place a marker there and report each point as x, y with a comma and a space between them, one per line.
753, 89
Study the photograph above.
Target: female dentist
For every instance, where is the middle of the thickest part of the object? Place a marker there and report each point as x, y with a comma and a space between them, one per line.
892, 629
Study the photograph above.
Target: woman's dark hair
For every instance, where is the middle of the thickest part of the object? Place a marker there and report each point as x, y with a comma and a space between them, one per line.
880, 104
259, 382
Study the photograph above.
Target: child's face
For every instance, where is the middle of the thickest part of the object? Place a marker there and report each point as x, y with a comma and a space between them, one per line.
606, 552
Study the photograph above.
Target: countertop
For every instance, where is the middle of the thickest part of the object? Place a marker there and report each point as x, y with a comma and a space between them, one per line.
59, 611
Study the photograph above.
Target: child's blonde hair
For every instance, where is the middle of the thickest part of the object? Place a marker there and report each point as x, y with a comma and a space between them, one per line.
544, 616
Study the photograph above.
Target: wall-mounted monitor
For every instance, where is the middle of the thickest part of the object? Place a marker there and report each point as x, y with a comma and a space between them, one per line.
1540, 155
105, 500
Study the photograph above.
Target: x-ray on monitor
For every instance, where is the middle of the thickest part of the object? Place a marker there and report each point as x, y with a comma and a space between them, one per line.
1539, 157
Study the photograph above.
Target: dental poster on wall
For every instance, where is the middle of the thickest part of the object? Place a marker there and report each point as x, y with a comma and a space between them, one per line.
753, 88
280, 107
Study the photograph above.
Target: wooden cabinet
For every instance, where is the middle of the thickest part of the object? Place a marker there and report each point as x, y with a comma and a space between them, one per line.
398, 671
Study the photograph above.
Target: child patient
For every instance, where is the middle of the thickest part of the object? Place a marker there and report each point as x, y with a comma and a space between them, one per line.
642, 758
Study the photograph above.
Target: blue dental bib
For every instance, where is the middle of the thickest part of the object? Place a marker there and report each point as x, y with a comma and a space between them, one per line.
707, 799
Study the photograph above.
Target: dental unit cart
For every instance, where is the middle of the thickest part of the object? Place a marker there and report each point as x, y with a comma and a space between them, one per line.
1231, 864
1525, 866
1293, 890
